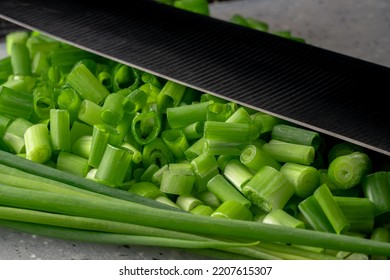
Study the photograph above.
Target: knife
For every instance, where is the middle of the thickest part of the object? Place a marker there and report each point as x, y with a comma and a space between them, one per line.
332, 93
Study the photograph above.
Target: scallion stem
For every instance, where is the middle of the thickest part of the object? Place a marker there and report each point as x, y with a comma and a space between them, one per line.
37, 142
289, 152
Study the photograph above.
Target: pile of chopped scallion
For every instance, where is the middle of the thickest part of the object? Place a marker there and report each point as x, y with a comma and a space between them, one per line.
98, 151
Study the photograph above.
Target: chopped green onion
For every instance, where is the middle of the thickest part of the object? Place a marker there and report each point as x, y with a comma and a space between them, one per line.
196, 149
69, 100
78, 130
380, 234
20, 59
178, 180
135, 101
237, 174
82, 146
137, 155
37, 143
170, 95
203, 210
280, 217
268, 189
156, 152
254, 158
208, 198
232, 209
194, 131
296, 135
124, 77
376, 187
304, 178
241, 115
183, 116
15, 103
348, 170
219, 112
205, 167
60, 130
288, 152
73, 164
112, 111
188, 202
145, 127
43, 100
90, 112
314, 215
146, 189
105, 79
14, 135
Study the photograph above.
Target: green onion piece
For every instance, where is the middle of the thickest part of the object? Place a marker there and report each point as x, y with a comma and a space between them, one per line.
237, 174
195, 6
304, 178
14, 135
152, 92
60, 130
254, 158
5, 69
256, 24
15, 103
188, 202
24, 84
37, 143
220, 112
69, 100
170, 95
232, 209
196, 149
135, 101
86, 84
241, 115
112, 111
82, 146
205, 167
194, 131
113, 166
43, 100
167, 201
296, 135
89, 63
40, 64
227, 138
156, 152
314, 215
280, 217
341, 149
348, 170
176, 142
146, 189
208, 198
67, 57
268, 189
289, 152
381, 234
73, 164
18, 36
137, 155
54, 77
203, 210
210, 97
20, 59
4, 123
125, 77
90, 112
239, 19
78, 130
118, 135
145, 127
157, 176
100, 136
183, 116
331, 209
376, 187
106, 80
148, 78
358, 211
225, 191
178, 180
265, 122
147, 176
223, 160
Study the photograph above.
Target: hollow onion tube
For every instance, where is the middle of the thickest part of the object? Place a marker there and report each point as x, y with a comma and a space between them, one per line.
178, 180
359, 212
90, 112
170, 95
43, 100
112, 110
237, 173
241, 115
156, 152
146, 189
254, 158
208, 198
78, 130
220, 112
137, 154
205, 167
134, 101
232, 209
4, 123
194, 131
105, 79
176, 142
20, 59
113, 166
268, 189
82, 146
145, 127
73, 164
188, 202
16, 104
118, 135
196, 149
265, 122
296, 135
86, 84
376, 187
37, 142
60, 130
280, 217
288, 152
124, 77
203, 210
226, 138
348, 170
225, 191
14, 135
183, 116
331, 209
304, 178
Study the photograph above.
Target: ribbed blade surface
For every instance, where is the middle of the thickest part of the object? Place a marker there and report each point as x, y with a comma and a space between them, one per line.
332, 93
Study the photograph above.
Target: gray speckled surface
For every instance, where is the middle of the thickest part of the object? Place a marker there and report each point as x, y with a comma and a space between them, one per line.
357, 28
